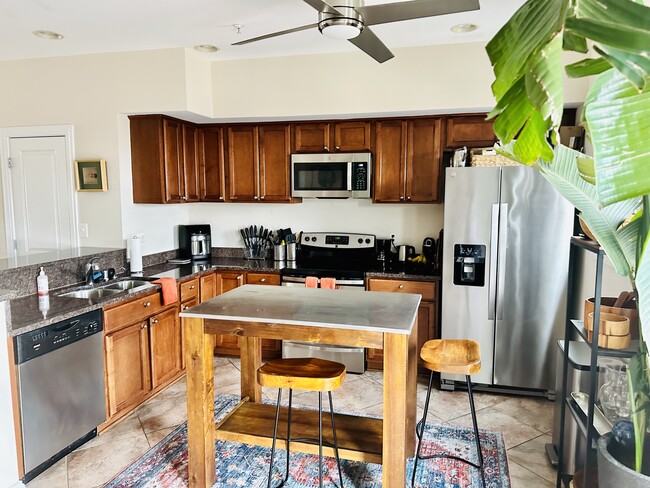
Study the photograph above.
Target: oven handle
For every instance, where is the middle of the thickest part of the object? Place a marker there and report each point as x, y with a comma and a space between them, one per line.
296, 279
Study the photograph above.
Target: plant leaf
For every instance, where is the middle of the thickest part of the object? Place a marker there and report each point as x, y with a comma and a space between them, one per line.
619, 122
603, 222
637, 381
587, 67
586, 170
533, 26
632, 66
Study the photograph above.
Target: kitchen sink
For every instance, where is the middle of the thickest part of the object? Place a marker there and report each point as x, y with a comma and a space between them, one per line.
109, 290
128, 285
92, 294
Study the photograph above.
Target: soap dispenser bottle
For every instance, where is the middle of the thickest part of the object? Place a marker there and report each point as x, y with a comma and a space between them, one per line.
42, 285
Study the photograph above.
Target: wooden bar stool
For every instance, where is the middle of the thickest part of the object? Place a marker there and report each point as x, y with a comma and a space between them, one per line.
312, 374
451, 356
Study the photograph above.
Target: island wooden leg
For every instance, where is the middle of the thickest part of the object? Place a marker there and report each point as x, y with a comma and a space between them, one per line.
411, 390
396, 378
200, 404
251, 360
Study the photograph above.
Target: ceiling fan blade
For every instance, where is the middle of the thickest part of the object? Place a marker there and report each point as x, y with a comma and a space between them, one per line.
369, 43
275, 34
322, 6
415, 9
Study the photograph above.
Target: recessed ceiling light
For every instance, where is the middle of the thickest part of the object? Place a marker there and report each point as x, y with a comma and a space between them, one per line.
46, 34
462, 28
206, 48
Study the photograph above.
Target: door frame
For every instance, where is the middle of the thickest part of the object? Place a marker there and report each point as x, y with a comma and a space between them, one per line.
65, 131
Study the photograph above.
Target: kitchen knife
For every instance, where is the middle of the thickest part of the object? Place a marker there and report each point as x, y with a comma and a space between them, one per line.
243, 236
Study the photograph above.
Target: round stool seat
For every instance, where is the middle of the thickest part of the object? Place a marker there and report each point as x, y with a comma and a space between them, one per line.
312, 374
452, 356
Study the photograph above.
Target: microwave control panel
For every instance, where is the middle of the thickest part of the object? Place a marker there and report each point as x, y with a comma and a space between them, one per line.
359, 176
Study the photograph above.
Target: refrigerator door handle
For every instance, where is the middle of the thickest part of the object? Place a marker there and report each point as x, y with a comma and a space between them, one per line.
494, 241
503, 246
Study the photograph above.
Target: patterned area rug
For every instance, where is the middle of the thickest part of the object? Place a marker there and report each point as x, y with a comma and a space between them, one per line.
243, 465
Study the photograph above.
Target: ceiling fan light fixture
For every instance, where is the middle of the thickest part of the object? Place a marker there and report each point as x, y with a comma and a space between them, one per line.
336, 29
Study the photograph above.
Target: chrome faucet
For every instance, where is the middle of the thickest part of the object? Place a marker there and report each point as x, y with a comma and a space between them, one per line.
91, 267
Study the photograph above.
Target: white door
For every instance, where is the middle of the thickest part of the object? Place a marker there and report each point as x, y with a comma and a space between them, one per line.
42, 199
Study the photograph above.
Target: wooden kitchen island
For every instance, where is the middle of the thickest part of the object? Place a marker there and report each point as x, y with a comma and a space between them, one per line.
350, 318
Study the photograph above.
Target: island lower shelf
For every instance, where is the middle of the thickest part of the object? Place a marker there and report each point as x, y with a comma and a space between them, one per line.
359, 438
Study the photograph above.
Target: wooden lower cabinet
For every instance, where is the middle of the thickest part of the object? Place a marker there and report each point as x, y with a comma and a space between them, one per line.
229, 280
128, 376
141, 354
208, 287
427, 312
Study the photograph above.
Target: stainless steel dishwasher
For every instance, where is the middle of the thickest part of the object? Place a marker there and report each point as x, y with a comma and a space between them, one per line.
61, 388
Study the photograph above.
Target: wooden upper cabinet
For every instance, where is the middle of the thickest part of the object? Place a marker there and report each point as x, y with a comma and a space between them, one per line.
243, 161
190, 167
470, 131
390, 161
407, 161
332, 137
274, 163
423, 161
352, 136
212, 168
311, 138
163, 159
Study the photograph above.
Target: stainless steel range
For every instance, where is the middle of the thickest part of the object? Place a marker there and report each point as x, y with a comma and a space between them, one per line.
345, 257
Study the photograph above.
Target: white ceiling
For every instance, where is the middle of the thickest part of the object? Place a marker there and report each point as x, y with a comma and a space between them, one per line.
94, 26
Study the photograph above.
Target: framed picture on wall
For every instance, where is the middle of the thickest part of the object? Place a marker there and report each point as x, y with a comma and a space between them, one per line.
91, 175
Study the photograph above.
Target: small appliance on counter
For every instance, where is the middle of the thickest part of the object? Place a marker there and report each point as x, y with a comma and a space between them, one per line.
195, 242
385, 249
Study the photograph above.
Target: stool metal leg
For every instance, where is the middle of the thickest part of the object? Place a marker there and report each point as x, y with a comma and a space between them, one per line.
320, 439
336, 442
419, 429
286, 475
478, 441
275, 436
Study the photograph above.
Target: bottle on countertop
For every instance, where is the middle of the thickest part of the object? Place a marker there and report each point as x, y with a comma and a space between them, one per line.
42, 285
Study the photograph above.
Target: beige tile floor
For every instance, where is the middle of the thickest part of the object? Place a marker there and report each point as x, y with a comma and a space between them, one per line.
526, 424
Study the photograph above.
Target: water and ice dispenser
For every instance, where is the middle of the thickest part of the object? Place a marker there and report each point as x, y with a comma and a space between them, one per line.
469, 264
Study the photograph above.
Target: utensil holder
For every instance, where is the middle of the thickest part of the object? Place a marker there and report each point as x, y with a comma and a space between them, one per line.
291, 251
279, 252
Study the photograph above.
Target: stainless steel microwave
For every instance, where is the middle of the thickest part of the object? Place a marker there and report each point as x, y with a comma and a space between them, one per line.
336, 175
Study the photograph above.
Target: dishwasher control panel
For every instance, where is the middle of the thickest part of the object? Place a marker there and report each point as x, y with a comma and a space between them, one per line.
51, 337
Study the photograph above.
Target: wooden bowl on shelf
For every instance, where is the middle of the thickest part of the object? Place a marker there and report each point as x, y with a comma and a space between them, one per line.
610, 324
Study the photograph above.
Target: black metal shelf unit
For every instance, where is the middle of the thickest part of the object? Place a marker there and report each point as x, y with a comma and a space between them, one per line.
585, 423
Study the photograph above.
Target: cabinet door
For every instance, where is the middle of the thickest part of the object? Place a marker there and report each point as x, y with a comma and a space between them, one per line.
208, 287
423, 161
128, 377
390, 160
243, 164
165, 344
427, 324
172, 156
470, 131
352, 136
212, 169
311, 138
147, 166
190, 163
275, 154
184, 306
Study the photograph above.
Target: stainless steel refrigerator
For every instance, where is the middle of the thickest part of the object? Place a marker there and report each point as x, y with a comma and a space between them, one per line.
504, 273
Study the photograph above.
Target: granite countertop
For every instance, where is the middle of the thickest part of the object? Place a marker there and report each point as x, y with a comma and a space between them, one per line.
27, 312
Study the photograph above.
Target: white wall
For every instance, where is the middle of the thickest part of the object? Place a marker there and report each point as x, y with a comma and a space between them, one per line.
95, 92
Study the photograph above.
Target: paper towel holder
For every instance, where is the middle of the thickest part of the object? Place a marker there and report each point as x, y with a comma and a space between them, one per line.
135, 248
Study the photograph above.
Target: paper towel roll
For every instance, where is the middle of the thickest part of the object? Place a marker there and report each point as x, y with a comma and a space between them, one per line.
136, 254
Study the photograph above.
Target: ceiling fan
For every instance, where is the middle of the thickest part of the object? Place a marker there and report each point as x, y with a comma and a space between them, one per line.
351, 20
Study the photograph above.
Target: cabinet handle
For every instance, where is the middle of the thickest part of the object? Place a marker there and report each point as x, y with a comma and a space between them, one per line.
220, 198
186, 307
400, 286
408, 198
401, 197
239, 278
326, 148
192, 287
338, 148
262, 280
144, 326
154, 321
147, 304
262, 197
256, 197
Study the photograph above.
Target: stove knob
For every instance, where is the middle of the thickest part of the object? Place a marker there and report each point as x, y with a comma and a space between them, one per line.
360, 240
367, 241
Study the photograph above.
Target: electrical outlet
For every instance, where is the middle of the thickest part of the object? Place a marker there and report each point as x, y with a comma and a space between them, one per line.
83, 230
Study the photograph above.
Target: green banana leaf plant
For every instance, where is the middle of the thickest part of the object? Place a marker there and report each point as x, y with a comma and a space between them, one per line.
611, 188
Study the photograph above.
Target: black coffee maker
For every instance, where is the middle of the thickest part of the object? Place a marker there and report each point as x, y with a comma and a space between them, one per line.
429, 250
195, 242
